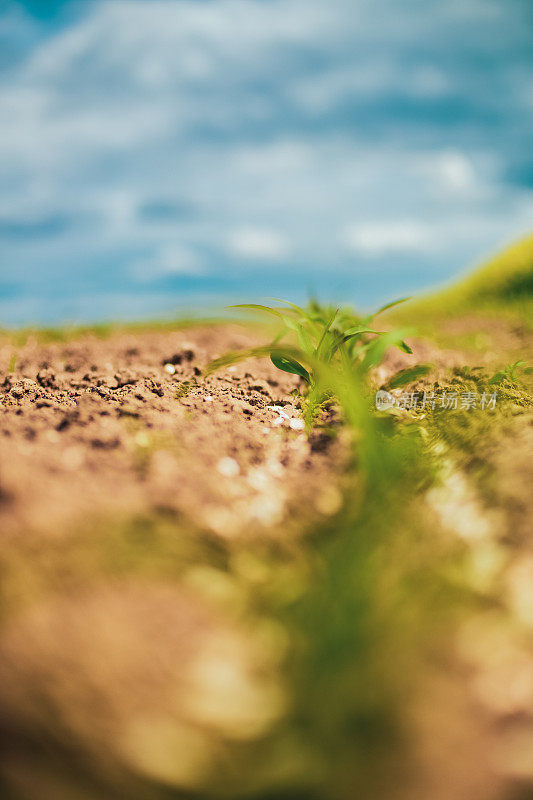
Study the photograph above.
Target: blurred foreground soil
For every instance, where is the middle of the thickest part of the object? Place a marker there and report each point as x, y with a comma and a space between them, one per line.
135, 664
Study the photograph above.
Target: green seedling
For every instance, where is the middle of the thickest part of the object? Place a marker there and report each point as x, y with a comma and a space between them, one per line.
509, 372
12, 363
320, 341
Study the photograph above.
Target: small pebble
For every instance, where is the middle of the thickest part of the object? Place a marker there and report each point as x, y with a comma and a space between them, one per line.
281, 411
297, 424
170, 368
228, 467
142, 439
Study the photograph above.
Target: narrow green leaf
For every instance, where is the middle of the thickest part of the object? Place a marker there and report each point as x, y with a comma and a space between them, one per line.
291, 324
391, 305
288, 364
234, 356
347, 336
304, 340
279, 337
256, 307
405, 347
408, 375
355, 331
324, 332
294, 307
376, 349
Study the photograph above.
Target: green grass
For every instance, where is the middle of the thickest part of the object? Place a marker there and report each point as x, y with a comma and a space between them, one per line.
502, 287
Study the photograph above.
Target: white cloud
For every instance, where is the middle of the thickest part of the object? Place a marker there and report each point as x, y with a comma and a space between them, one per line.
279, 156
258, 244
376, 77
455, 171
378, 238
170, 259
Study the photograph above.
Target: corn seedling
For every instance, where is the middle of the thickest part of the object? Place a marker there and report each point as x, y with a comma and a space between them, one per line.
509, 372
319, 342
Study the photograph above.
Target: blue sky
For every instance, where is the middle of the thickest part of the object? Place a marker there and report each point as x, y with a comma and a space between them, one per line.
163, 154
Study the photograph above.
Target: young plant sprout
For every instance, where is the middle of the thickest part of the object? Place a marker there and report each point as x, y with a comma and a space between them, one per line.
320, 344
509, 372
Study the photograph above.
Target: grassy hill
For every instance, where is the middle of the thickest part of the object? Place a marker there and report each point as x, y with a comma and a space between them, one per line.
503, 285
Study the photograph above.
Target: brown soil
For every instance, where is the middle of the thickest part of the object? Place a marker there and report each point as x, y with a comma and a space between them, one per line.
100, 426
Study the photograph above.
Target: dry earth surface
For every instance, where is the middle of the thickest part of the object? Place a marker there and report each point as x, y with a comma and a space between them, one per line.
102, 425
